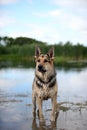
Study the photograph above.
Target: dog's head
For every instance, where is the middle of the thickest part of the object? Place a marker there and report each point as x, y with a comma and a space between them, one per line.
44, 62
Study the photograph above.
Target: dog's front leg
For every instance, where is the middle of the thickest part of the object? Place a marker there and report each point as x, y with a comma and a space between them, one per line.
34, 103
39, 102
54, 107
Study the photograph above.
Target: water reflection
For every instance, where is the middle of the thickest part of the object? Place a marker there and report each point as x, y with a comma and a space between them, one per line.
16, 103
43, 125
72, 85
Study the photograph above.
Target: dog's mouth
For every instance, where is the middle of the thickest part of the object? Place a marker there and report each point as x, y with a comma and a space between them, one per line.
41, 69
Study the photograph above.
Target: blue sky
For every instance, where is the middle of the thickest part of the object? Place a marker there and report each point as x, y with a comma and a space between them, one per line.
46, 20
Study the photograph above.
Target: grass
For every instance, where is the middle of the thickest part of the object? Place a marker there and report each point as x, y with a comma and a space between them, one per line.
64, 109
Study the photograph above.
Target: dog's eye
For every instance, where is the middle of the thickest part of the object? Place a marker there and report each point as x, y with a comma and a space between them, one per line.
45, 61
38, 60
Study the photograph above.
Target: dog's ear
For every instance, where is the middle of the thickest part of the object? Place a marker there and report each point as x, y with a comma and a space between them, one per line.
37, 52
51, 53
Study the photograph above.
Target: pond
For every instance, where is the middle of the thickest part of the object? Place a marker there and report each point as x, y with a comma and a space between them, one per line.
16, 103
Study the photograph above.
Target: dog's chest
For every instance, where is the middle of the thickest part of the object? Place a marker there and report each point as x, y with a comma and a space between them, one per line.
45, 92
45, 87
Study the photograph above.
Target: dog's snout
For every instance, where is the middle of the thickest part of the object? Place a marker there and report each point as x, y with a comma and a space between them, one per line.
40, 67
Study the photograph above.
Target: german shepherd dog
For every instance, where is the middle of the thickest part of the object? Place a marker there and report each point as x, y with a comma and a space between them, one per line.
45, 83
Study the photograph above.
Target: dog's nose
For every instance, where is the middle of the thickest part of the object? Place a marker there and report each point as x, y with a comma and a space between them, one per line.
40, 67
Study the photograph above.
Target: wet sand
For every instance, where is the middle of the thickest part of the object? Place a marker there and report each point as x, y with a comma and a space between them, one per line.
16, 114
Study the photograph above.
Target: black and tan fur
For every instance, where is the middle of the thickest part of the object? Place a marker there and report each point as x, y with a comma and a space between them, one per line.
45, 83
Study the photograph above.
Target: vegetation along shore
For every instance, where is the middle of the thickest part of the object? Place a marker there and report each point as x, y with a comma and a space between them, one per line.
21, 50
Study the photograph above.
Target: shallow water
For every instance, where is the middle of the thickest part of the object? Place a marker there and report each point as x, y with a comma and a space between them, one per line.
16, 104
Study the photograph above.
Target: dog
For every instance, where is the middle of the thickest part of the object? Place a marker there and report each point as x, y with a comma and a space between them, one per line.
45, 83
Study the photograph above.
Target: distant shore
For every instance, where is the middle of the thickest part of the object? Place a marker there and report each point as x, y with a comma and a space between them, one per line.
26, 61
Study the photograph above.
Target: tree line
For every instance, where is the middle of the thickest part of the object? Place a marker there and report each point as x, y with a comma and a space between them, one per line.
23, 46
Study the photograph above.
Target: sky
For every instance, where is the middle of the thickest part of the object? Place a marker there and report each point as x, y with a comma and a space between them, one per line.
49, 21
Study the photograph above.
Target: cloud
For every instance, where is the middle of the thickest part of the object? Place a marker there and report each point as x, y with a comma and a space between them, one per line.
5, 2
71, 3
78, 23
55, 13
51, 13
66, 19
6, 21
73, 14
30, 1
45, 33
